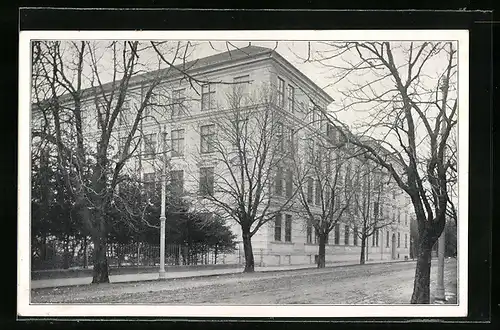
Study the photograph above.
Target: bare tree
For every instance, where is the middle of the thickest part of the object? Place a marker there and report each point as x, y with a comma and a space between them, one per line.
367, 216
84, 125
323, 177
408, 94
248, 149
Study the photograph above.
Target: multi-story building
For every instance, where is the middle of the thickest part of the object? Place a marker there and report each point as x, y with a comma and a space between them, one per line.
186, 113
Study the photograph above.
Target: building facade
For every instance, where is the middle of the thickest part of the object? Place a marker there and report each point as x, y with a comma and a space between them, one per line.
184, 112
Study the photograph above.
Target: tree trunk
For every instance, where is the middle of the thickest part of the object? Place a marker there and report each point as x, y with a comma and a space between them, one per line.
215, 254
85, 252
100, 273
43, 250
321, 251
363, 247
421, 286
247, 247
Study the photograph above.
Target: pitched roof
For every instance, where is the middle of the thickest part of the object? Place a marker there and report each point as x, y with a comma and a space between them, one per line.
212, 60
230, 55
235, 54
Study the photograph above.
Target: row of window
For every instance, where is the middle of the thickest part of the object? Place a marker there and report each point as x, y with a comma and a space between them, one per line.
177, 138
207, 134
208, 98
177, 102
309, 236
176, 182
206, 182
398, 240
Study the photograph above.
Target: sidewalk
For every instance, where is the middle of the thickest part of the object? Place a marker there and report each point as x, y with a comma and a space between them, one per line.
58, 282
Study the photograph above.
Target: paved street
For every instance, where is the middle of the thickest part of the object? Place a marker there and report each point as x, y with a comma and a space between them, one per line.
175, 274
390, 283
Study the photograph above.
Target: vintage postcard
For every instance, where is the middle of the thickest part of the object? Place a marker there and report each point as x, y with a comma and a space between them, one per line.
243, 173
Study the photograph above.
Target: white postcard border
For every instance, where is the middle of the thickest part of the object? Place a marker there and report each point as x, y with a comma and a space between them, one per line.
24, 307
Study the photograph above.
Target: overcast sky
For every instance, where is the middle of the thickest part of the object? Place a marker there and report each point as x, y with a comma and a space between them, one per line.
295, 52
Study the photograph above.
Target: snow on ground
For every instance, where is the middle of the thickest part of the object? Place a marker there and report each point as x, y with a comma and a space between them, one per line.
368, 284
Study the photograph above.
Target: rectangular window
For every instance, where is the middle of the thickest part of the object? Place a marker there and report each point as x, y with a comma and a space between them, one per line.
278, 182
281, 92
337, 234
148, 109
239, 133
346, 235
375, 209
376, 238
337, 205
291, 98
124, 113
310, 189
323, 122
373, 239
240, 91
277, 227
149, 183
309, 232
289, 141
177, 140
289, 183
288, 228
121, 143
318, 193
207, 97
178, 99
406, 218
399, 216
327, 196
347, 177
316, 235
399, 239
207, 133
355, 236
149, 145
331, 132
406, 240
387, 239
317, 116
177, 182
206, 181
280, 139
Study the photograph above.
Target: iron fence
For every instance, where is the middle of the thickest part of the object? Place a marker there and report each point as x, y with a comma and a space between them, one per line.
142, 254
56, 254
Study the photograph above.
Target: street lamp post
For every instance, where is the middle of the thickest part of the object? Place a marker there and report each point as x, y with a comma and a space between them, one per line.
162, 212
440, 292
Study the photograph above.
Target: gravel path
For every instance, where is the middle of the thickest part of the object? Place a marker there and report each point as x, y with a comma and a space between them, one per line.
369, 284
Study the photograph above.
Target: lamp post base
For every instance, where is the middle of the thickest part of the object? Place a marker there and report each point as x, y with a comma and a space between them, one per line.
440, 295
162, 274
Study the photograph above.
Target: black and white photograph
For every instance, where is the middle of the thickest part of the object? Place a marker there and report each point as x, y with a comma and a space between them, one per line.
250, 173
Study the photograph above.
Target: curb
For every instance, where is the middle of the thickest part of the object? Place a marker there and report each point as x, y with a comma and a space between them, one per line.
226, 274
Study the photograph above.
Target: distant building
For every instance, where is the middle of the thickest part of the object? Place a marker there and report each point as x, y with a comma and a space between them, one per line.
184, 111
